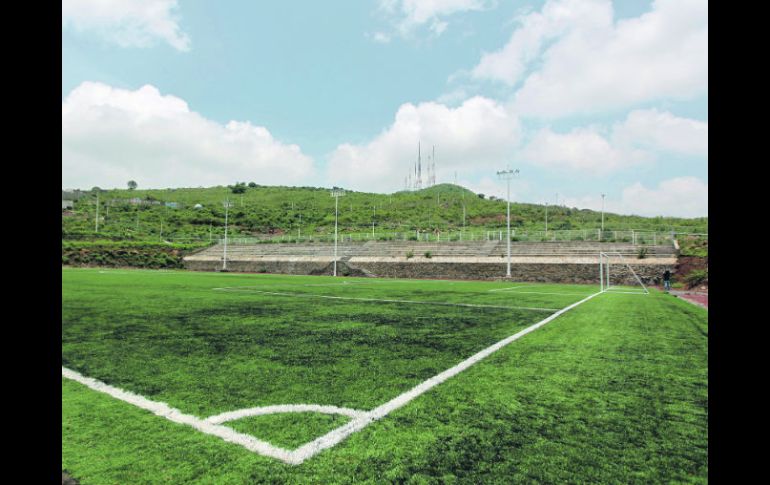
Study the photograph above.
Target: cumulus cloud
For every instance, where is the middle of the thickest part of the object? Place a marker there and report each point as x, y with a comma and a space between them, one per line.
112, 135
641, 137
128, 23
675, 197
681, 197
526, 44
479, 133
581, 150
663, 131
579, 60
412, 14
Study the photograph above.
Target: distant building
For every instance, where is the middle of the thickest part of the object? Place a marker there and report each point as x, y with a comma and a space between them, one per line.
67, 204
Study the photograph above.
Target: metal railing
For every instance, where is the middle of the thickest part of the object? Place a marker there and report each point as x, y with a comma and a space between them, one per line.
590, 235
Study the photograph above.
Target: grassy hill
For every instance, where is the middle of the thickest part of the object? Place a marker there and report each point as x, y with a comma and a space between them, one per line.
286, 210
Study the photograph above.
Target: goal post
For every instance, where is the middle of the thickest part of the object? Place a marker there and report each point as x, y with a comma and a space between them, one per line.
614, 273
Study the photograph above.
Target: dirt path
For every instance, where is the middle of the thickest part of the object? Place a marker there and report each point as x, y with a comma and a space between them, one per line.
696, 298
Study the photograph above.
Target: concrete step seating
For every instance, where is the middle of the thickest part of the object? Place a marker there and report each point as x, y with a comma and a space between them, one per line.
445, 249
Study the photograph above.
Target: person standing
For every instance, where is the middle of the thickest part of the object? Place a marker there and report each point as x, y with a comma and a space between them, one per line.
667, 280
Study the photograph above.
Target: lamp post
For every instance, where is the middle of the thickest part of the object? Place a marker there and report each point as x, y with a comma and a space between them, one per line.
224, 254
603, 213
507, 175
336, 193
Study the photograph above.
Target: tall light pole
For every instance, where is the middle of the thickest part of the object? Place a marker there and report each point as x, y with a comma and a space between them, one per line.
603, 212
97, 212
507, 175
336, 193
224, 256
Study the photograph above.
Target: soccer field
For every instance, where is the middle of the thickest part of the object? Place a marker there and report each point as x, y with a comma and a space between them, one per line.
269, 378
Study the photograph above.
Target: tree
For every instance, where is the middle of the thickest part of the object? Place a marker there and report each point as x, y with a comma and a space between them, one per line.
132, 185
252, 185
238, 188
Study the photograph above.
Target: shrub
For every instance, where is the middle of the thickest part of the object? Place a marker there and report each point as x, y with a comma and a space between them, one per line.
428, 254
696, 277
409, 255
642, 253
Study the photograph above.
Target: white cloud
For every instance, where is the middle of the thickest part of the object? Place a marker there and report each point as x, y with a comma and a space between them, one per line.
675, 197
380, 37
663, 131
580, 150
641, 137
111, 135
412, 14
525, 45
477, 134
681, 197
593, 63
128, 23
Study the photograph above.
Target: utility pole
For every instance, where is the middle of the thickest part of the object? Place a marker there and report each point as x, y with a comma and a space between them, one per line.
507, 175
97, 212
603, 212
224, 257
546, 219
336, 193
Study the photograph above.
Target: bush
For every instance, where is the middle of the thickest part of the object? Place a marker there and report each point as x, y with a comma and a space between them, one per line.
409, 255
696, 277
428, 254
642, 253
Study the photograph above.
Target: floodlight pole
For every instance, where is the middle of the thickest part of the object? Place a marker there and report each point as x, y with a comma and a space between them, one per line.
603, 215
224, 257
508, 175
336, 193
97, 212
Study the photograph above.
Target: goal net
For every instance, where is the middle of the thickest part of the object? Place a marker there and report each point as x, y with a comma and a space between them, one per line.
617, 276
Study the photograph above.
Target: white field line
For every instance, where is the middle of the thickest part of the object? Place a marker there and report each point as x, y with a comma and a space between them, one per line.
164, 410
359, 421
547, 293
610, 292
333, 437
284, 408
244, 289
506, 289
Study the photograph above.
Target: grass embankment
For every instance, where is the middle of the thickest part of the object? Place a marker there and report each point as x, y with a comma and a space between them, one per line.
692, 266
125, 253
310, 210
614, 391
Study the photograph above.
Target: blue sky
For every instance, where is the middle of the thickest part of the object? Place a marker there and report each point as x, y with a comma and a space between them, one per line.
582, 96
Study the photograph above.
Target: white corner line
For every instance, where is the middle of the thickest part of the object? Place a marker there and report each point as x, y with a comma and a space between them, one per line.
333, 437
284, 408
246, 289
164, 410
360, 419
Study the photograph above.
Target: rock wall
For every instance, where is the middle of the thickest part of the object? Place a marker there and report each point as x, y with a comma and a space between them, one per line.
562, 272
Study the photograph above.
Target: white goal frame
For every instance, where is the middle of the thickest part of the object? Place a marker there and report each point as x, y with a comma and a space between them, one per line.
605, 283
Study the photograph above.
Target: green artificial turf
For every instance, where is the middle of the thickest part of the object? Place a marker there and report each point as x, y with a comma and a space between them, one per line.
288, 430
614, 391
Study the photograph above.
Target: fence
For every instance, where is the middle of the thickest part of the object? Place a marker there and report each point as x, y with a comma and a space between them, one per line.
596, 235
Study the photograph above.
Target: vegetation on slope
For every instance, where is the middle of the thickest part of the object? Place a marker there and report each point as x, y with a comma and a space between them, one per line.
257, 210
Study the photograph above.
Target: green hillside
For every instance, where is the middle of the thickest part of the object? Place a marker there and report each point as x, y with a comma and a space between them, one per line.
260, 210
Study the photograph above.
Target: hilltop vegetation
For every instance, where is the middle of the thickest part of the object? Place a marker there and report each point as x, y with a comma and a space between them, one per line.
259, 210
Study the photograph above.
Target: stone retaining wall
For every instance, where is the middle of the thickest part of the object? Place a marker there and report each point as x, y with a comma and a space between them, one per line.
535, 270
